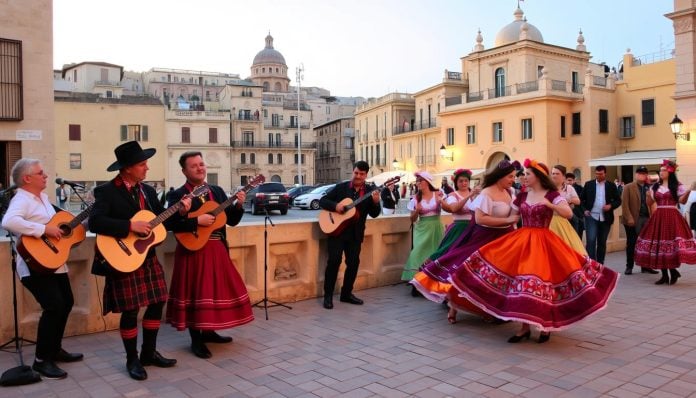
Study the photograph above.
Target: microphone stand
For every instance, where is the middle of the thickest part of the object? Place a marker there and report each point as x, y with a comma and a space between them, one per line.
84, 203
265, 300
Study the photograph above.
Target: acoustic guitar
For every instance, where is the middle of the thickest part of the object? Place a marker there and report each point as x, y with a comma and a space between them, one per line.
45, 254
195, 240
333, 223
128, 254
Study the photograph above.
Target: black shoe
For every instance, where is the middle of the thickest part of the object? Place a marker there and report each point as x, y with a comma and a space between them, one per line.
200, 350
136, 370
544, 337
64, 356
517, 338
49, 370
628, 271
209, 336
644, 270
415, 292
662, 281
328, 302
156, 359
351, 299
674, 275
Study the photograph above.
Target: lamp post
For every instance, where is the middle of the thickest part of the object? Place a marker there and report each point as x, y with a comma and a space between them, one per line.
300, 76
676, 126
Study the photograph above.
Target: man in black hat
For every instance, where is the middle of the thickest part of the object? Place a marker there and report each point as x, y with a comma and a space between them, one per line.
116, 202
635, 215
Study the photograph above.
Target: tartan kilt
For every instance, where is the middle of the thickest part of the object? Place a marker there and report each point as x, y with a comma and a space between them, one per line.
133, 290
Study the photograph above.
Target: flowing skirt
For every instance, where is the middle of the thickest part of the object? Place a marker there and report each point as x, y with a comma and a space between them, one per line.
666, 241
207, 292
532, 276
427, 234
432, 280
564, 229
452, 233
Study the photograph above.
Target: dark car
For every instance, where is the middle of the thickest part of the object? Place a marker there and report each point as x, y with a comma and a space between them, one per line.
297, 191
268, 196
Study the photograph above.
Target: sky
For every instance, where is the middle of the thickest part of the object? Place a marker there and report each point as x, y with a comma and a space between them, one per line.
364, 48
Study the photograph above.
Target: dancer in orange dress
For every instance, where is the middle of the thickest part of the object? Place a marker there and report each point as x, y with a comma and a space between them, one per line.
531, 275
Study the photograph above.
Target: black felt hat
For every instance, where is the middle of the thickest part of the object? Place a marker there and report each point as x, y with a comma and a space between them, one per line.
129, 154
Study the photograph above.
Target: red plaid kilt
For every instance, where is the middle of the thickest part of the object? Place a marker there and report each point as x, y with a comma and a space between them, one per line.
140, 288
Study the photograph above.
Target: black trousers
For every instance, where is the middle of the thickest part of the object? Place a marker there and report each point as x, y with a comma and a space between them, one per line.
632, 233
337, 247
53, 293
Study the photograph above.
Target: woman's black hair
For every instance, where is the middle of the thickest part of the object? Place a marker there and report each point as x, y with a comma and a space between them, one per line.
672, 184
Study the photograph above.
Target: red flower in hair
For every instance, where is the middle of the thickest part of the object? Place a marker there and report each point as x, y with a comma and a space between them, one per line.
669, 165
459, 172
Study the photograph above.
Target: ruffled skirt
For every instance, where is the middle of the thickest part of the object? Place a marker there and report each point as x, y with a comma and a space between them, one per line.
666, 241
564, 229
427, 234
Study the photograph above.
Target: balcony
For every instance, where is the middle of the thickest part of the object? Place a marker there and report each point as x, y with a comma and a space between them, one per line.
426, 124
449, 101
247, 117
499, 92
349, 132
474, 96
426, 160
107, 83
291, 125
527, 87
281, 145
196, 115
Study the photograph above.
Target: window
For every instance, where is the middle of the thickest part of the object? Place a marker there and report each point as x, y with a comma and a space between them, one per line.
470, 135
603, 121
275, 120
212, 135
647, 108
270, 158
627, 127
576, 123
134, 132
248, 137
450, 136
278, 140
303, 158
293, 121
270, 139
575, 83
186, 135
540, 70
74, 133
295, 158
109, 94
499, 82
75, 161
144, 133
563, 127
527, 129
279, 158
242, 158
252, 158
11, 84
498, 132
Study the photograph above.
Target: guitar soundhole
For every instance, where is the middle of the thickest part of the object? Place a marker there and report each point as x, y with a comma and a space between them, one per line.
65, 229
142, 245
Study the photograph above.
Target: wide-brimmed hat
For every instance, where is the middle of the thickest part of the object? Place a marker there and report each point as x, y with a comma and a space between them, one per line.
426, 176
129, 154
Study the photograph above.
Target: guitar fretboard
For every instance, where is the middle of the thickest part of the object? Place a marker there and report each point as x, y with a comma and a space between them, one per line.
202, 190
80, 217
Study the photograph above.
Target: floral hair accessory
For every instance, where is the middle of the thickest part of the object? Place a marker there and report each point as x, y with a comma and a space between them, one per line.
669, 165
459, 172
504, 164
531, 163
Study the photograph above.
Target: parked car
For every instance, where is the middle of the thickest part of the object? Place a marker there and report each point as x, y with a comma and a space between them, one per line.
267, 196
297, 191
311, 200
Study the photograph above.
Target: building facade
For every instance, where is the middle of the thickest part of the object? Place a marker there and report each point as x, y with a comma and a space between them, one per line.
335, 150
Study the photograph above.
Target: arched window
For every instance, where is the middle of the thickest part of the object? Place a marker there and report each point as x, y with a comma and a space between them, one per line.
263, 70
270, 158
278, 87
252, 158
499, 82
280, 158
275, 178
242, 158
266, 87
276, 70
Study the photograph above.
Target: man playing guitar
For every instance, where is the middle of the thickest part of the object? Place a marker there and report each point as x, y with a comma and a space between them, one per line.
115, 203
28, 214
207, 293
350, 239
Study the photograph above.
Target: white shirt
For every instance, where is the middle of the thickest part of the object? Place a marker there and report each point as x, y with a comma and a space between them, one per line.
28, 214
600, 200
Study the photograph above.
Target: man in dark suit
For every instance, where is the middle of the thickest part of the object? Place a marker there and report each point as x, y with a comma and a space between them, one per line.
635, 214
599, 198
349, 241
116, 202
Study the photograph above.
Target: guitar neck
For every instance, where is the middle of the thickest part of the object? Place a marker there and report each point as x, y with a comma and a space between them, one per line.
364, 197
80, 217
231, 201
174, 208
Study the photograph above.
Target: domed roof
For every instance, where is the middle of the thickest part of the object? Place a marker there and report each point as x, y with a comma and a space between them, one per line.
510, 33
269, 55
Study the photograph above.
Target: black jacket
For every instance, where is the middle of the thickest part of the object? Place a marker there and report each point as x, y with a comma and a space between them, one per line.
342, 191
234, 214
387, 201
611, 197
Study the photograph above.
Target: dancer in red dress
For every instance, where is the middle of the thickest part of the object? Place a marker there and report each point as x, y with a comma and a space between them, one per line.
531, 275
666, 241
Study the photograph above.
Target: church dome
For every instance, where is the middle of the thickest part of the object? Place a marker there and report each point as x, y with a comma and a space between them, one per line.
510, 33
269, 55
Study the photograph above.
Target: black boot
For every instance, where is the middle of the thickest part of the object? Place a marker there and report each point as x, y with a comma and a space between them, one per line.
148, 353
198, 347
664, 279
674, 275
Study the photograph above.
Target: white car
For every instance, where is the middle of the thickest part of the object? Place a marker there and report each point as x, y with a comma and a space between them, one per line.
310, 200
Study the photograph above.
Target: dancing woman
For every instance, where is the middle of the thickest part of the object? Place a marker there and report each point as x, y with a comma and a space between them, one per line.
559, 224
531, 275
427, 231
666, 241
456, 204
492, 219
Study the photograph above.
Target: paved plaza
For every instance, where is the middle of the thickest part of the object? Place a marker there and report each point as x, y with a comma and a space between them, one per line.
642, 344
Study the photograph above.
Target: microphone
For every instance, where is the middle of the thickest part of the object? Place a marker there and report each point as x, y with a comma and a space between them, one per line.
10, 189
73, 184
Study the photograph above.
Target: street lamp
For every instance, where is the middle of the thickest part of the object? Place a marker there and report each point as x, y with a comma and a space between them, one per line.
300, 76
395, 164
444, 154
676, 126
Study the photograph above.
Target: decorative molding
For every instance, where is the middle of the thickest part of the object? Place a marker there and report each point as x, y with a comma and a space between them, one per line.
683, 24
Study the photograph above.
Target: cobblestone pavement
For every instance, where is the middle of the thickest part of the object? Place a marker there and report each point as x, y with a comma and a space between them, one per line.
642, 344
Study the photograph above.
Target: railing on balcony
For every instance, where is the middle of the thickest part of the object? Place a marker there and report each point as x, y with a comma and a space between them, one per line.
293, 105
454, 75
349, 132
198, 114
426, 123
266, 144
107, 83
402, 129
450, 101
499, 92
426, 159
291, 125
558, 85
577, 88
271, 125
600, 81
475, 96
527, 87
254, 118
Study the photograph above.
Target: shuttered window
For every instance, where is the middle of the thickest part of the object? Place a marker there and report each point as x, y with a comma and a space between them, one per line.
11, 87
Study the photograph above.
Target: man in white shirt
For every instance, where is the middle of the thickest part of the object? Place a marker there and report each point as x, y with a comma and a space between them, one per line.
599, 199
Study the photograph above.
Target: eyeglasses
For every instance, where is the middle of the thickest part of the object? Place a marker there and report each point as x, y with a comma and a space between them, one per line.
40, 173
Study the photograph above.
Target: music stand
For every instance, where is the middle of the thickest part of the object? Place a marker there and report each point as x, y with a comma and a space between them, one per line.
265, 300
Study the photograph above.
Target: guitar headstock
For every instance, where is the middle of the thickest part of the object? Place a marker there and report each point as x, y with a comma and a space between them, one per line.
199, 190
392, 180
256, 181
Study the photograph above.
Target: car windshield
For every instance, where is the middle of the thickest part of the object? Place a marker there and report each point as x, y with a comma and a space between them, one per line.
322, 189
272, 187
